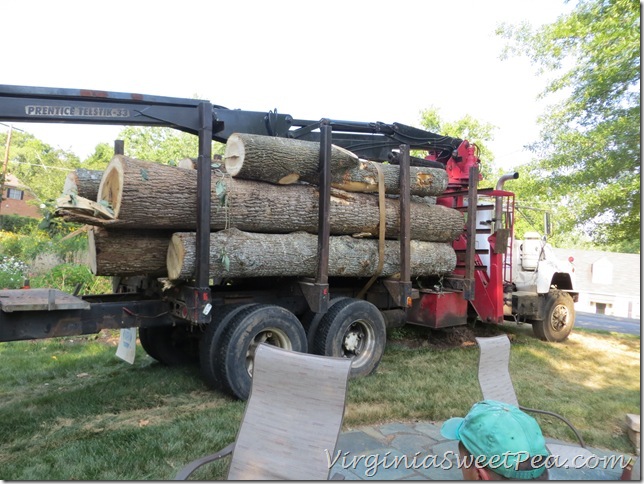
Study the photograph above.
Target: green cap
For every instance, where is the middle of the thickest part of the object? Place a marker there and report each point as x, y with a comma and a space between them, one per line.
503, 436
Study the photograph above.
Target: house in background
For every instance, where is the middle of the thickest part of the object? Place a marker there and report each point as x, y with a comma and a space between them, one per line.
15, 197
608, 282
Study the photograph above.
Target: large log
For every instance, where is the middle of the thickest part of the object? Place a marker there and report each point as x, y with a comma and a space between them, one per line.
146, 195
83, 183
127, 253
423, 181
285, 161
234, 253
280, 160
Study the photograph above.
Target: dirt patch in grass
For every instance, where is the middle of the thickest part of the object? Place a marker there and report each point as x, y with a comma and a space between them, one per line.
109, 336
444, 339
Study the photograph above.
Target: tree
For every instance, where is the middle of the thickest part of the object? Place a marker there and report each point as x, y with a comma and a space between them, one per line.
103, 153
38, 165
164, 145
473, 130
588, 158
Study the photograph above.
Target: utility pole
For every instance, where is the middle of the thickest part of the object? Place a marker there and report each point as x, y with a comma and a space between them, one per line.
4, 167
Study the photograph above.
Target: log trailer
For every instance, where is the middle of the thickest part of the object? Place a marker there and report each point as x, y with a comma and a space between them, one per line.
219, 323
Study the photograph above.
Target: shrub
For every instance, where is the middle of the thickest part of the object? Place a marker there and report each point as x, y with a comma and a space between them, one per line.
18, 224
22, 246
12, 272
37, 242
64, 277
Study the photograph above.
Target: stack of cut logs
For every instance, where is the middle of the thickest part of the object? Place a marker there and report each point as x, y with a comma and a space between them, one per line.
264, 215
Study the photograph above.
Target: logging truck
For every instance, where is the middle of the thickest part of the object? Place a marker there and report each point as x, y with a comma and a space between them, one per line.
311, 235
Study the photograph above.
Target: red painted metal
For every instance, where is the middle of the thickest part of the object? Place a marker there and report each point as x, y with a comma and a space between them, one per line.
488, 284
458, 166
438, 309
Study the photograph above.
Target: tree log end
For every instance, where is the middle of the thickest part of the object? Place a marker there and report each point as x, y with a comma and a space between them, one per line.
111, 187
234, 154
356, 186
175, 257
91, 242
289, 179
71, 184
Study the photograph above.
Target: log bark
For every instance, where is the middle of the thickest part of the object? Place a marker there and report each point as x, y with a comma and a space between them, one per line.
84, 206
83, 183
146, 195
295, 255
285, 161
128, 253
280, 160
423, 181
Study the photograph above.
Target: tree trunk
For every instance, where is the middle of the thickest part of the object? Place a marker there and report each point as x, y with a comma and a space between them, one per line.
128, 253
285, 161
83, 183
280, 160
146, 195
423, 181
234, 253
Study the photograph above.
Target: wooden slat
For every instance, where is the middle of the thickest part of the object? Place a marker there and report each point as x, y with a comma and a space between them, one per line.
39, 300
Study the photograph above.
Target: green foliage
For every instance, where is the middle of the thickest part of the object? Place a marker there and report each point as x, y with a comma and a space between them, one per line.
65, 277
13, 272
98, 160
24, 246
18, 224
28, 245
589, 155
163, 145
39, 166
466, 128
20, 250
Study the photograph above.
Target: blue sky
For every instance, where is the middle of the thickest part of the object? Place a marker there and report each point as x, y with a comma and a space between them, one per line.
353, 60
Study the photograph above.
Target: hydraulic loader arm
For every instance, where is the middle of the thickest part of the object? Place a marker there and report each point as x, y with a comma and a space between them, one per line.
371, 140
53, 105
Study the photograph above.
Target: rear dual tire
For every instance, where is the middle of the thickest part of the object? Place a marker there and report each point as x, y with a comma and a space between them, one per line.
170, 345
352, 328
227, 356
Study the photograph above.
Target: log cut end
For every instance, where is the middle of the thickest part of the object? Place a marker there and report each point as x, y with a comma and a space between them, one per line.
111, 187
91, 242
187, 163
289, 179
234, 154
71, 184
175, 257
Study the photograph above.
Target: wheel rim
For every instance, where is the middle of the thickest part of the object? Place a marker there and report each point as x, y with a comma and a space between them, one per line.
271, 336
358, 342
560, 318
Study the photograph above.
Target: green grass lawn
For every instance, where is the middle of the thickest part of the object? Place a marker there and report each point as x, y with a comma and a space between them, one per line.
71, 410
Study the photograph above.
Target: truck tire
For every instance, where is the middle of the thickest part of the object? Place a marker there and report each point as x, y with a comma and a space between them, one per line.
311, 321
210, 344
260, 323
169, 345
559, 318
353, 328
